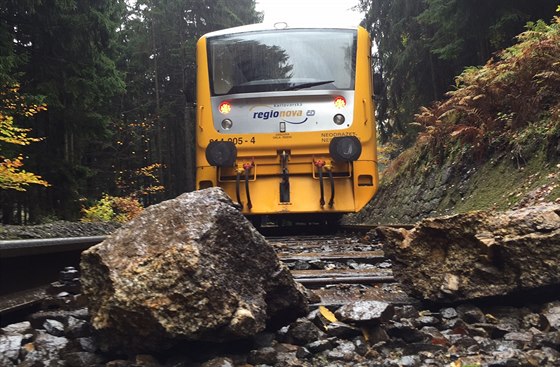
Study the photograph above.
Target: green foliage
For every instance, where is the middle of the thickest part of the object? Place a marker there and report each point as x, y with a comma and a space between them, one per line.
423, 44
112, 209
153, 144
512, 100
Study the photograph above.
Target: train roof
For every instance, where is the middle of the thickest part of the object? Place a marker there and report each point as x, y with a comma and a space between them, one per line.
274, 26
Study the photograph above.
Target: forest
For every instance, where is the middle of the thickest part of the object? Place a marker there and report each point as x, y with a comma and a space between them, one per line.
97, 96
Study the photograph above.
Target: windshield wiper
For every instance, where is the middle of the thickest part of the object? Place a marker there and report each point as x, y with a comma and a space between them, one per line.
308, 85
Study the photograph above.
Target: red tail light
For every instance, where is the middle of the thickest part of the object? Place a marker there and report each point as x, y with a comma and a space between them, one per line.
340, 102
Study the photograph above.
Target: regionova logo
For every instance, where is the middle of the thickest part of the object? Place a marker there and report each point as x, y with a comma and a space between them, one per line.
291, 115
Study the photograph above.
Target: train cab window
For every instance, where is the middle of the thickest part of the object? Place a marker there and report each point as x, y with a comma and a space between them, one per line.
282, 60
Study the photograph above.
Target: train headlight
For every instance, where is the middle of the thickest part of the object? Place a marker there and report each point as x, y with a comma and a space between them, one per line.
224, 107
221, 153
345, 148
339, 119
340, 102
227, 124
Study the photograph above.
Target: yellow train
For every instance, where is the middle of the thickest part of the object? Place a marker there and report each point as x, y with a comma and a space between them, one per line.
285, 118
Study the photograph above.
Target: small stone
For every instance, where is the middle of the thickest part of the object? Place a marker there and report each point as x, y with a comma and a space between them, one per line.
10, 346
146, 360
303, 353
366, 312
23, 327
267, 355
80, 359
524, 337
448, 313
407, 333
361, 346
552, 314
118, 363
218, 362
342, 330
319, 346
405, 312
54, 327
535, 320
77, 328
471, 314
87, 344
346, 351
303, 331
427, 321
409, 361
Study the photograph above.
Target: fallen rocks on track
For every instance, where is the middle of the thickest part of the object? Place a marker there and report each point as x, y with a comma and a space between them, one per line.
379, 333
394, 337
191, 268
476, 255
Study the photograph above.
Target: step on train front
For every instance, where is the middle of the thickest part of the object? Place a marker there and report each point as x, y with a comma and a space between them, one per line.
285, 118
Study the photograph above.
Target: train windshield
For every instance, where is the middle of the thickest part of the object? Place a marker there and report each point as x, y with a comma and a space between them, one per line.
282, 61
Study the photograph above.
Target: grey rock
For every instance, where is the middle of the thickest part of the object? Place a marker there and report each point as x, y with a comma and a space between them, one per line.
77, 328
535, 320
80, 359
5, 361
189, 268
405, 312
44, 351
471, 314
342, 330
146, 360
362, 346
370, 312
345, 351
54, 327
10, 346
448, 313
319, 346
302, 332
427, 321
303, 353
23, 327
523, 337
408, 333
87, 344
552, 314
377, 334
218, 362
477, 254
266, 355
409, 361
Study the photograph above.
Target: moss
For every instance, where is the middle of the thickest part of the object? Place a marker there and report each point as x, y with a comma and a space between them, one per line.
500, 184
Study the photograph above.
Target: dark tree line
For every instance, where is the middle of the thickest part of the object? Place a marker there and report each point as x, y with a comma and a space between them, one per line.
117, 77
118, 80
423, 44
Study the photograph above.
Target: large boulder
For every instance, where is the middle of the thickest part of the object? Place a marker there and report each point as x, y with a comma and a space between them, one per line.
191, 268
478, 254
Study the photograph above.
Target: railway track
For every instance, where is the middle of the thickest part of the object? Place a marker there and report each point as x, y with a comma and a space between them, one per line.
338, 268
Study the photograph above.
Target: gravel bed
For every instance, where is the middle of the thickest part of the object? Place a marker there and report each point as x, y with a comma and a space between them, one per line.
57, 229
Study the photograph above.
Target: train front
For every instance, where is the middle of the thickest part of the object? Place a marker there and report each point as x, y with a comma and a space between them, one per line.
285, 120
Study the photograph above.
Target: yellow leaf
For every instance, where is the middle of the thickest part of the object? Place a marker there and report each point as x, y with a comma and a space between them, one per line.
327, 314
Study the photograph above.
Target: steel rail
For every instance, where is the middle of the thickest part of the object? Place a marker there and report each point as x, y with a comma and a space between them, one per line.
15, 248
